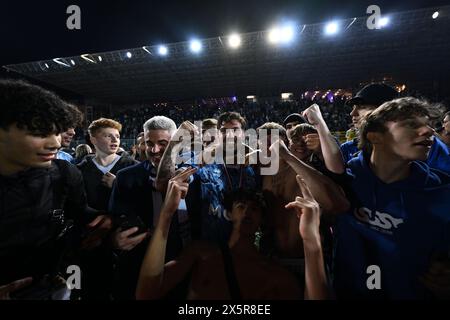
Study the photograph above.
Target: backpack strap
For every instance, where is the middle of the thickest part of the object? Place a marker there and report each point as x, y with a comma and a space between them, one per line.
59, 180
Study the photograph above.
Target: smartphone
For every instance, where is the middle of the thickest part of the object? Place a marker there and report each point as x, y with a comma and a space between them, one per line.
127, 222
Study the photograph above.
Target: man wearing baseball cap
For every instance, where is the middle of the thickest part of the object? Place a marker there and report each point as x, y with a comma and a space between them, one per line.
292, 120
367, 99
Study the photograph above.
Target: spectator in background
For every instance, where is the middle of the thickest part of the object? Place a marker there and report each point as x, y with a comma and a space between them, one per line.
138, 150
367, 99
439, 156
209, 131
81, 151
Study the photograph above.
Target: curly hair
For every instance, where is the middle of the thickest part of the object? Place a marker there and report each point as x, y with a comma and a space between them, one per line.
32, 108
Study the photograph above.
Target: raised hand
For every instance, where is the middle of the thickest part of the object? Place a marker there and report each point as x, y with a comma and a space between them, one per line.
308, 212
185, 130
313, 115
176, 190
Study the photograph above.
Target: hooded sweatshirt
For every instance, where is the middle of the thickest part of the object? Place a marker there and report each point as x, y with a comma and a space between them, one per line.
439, 156
396, 227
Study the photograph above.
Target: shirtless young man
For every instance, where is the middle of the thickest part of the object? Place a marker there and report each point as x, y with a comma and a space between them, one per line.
255, 277
280, 188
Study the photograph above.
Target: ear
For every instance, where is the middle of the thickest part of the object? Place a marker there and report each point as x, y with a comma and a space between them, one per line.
375, 137
93, 140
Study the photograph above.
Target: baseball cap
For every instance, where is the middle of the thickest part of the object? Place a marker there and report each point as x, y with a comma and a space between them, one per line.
373, 94
294, 117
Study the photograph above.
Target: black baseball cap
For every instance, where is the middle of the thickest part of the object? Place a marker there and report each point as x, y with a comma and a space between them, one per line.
294, 117
374, 94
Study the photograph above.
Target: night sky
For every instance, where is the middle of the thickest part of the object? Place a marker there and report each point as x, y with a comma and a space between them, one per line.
37, 30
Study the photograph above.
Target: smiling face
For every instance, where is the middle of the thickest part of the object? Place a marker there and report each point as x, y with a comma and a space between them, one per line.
21, 149
156, 142
106, 140
297, 146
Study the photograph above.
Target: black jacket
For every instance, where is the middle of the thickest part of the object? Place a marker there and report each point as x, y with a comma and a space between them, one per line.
28, 233
98, 194
132, 196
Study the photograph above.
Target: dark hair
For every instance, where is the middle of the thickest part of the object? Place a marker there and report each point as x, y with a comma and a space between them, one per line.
301, 130
447, 114
209, 123
35, 109
230, 116
395, 110
274, 125
243, 195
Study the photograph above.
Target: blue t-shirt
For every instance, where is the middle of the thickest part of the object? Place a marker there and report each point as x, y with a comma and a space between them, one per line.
349, 150
439, 156
206, 195
396, 226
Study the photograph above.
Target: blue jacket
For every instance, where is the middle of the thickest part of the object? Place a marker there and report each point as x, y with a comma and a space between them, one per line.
349, 149
439, 156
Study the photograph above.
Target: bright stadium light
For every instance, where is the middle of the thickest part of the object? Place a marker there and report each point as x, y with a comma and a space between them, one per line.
384, 22
72, 62
331, 28
274, 35
129, 55
100, 58
46, 65
162, 50
435, 15
287, 34
196, 46
283, 34
234, 41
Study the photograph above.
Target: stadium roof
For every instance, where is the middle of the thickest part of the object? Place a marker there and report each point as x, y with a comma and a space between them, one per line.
413, 49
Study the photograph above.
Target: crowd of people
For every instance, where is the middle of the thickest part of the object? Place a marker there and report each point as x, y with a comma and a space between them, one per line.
335, 112
180, 218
